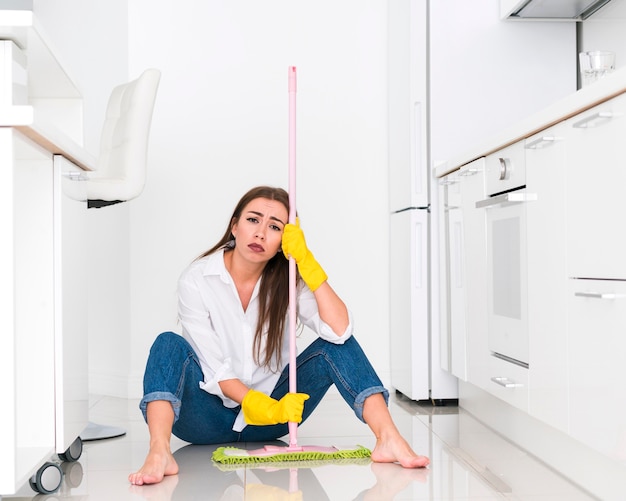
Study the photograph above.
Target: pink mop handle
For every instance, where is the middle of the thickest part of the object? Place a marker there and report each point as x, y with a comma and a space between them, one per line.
293, 427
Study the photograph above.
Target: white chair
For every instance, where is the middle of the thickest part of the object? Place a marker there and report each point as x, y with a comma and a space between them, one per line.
121, 168
121, 165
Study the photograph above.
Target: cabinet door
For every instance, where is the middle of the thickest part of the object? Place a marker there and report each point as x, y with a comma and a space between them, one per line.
70, 302
595, 192
597, 350
26, 309
409, 325
463, 260
475, 266
409, 171
547, 276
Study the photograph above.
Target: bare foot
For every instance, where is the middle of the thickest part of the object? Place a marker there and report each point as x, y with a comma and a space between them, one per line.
157, 465
397, 450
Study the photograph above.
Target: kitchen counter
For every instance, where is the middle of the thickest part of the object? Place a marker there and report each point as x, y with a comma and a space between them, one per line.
57, 142
596, 93
53, 115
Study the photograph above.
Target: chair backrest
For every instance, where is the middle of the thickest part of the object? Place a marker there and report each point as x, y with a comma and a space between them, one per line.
122, 161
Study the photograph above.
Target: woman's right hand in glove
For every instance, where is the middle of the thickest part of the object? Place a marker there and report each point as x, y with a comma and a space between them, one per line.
260, 409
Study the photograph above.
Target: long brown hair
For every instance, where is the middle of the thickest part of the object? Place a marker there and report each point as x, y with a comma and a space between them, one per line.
274, 288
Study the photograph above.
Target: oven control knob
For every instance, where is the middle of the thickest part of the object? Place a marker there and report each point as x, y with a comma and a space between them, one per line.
505, 168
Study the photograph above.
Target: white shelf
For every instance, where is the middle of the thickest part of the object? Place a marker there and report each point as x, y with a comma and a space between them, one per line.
11, 116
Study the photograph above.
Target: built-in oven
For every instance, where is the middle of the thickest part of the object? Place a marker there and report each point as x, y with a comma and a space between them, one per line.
507, 285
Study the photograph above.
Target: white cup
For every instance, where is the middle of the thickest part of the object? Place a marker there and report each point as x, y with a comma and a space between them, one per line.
595, 64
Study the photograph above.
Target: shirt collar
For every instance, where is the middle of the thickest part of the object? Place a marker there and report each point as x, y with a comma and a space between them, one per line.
215, 266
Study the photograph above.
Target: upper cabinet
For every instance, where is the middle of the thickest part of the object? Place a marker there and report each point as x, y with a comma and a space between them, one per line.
44, 93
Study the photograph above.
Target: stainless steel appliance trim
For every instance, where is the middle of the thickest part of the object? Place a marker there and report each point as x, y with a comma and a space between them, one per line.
510, 360
507, 199
600, 295
506, 382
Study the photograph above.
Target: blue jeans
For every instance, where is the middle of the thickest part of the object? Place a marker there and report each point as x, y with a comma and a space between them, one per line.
173, 374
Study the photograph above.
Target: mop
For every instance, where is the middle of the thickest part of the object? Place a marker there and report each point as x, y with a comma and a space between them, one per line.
292, 452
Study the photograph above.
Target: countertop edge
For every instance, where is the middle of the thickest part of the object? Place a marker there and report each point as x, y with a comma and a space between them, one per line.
577, 102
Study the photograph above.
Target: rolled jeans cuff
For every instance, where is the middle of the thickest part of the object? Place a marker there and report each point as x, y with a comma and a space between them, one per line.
359, 401
160, 395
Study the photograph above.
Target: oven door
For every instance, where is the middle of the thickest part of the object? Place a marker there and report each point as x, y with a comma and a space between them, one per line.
507, 283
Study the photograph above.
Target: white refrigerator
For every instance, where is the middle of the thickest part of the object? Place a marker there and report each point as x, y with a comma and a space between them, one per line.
419, 362
458, 75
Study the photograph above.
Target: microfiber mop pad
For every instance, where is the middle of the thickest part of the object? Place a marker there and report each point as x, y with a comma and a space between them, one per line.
272, 453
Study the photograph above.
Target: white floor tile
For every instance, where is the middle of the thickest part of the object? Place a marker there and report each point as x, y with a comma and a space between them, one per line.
468, 463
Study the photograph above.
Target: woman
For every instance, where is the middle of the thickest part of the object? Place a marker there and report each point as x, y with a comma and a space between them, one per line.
226, 378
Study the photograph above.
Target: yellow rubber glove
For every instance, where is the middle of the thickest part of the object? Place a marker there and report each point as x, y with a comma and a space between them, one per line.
260, 409
294, 245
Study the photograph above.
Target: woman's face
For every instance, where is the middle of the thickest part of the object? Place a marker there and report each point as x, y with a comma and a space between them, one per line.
259, 231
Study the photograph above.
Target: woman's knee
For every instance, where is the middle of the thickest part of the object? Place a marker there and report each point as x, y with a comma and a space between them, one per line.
167, 341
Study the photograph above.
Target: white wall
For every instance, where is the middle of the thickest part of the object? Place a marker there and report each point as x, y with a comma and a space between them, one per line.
219, 128
488, 74
605, 31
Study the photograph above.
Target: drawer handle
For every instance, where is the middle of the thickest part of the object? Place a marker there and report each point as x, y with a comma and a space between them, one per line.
592, 120
600, 295
76, 175
542, 142
472, 171
506, 382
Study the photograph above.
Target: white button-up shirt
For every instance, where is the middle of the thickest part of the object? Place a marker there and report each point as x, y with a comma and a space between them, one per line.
222, 333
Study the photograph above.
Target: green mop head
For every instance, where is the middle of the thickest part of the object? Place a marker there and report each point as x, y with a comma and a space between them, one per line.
274, 454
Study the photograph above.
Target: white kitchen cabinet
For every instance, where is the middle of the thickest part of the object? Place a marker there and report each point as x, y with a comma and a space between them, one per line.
27, 422
597, 350
463, 254
595, 191
43, 356
472, 177
546, 219
463, 261
454, 259
571, 395
70, 305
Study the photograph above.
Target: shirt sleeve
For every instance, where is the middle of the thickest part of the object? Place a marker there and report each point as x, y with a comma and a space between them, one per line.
198, 330
308, 314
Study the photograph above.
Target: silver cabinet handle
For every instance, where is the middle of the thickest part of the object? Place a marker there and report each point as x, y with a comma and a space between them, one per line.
448, 182
472, 171
506, 382
542, 142
590, 121
505, 168
506, 199
600, 295
75, 175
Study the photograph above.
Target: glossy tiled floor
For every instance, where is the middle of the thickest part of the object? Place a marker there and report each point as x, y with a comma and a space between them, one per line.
468, 462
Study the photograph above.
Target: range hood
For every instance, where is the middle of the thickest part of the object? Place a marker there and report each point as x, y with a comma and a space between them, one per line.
567, 10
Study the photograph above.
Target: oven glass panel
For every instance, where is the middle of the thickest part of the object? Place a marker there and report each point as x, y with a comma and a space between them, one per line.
507, 267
